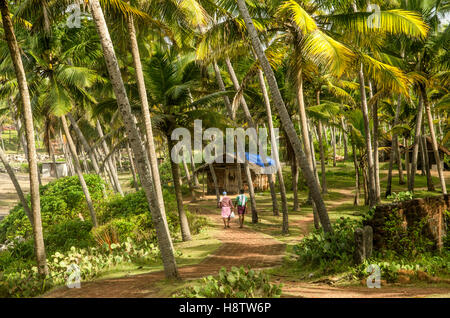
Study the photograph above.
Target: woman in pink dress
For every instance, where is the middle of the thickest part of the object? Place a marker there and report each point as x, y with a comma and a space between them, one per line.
227, 206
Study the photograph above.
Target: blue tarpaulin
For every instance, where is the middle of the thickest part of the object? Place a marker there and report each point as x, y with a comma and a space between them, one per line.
257, 159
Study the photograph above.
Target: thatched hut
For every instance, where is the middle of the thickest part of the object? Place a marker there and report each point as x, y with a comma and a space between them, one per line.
443, 152
227, 174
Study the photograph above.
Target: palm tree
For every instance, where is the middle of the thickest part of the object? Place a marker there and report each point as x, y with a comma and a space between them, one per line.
285, 118
159, 218
29, 131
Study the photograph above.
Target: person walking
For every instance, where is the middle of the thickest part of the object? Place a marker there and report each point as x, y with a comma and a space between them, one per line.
227, 207
241, 203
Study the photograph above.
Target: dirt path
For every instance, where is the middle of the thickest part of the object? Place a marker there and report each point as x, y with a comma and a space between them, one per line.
8, 195
239, 247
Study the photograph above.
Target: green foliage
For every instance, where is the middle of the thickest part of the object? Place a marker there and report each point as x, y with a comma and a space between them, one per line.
130, 216
406, 241
328, 250
61, 237
91, 262
401, 196
61, 200
237, 283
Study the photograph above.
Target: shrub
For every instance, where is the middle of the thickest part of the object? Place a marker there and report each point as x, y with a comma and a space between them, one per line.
61, 237
328, 249
237, 283
91, 262
401, 196
406, 241
61, 200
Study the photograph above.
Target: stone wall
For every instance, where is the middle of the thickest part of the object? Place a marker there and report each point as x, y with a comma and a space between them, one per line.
432, 209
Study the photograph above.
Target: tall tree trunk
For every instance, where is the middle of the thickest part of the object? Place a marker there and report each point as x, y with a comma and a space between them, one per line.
357, 182
132, 167
17, 186
29, 131
395, 151
184, 224
158, 216
376, 155
433, 140
295, 176
322, 159
333, 141
190, 181
415, 154
146, 113
76, 161
222, 89
284, 208
251, 124
275, 210
370, 162
285, 118
216, 185
344, 128
426, 164
407, 162
109, 161
86, 146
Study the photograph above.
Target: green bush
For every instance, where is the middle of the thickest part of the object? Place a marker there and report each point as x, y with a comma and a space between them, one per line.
61, 200
328, 250
91, 262
61, 237
401, 196
406, 241
237, 283
129, 216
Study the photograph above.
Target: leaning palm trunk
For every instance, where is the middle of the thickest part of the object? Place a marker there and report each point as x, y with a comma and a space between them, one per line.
357, 182
189, 180
16, 184
86, 147
132, 167
79, 172
109, 161
184, 224
14, 50
433, 140
417, 137
394, 150
158, 216
370, 161
284, 205
251, 124
285, 118
146, 113
426, 164
216, 185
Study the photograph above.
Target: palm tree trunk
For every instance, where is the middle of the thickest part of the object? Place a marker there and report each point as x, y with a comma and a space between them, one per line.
29, 131
76, 161
146, 113
284, 208
322, 159
376, 155
109, 162
158, 216
357, 182
333, 141
415, 154
190, 181
216, 185
426, 164
407, 162
295, 175
17, 186
344, 128
132, 167
370, 162
433, 140
251, 124
285, 117
222, 89
184, 225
